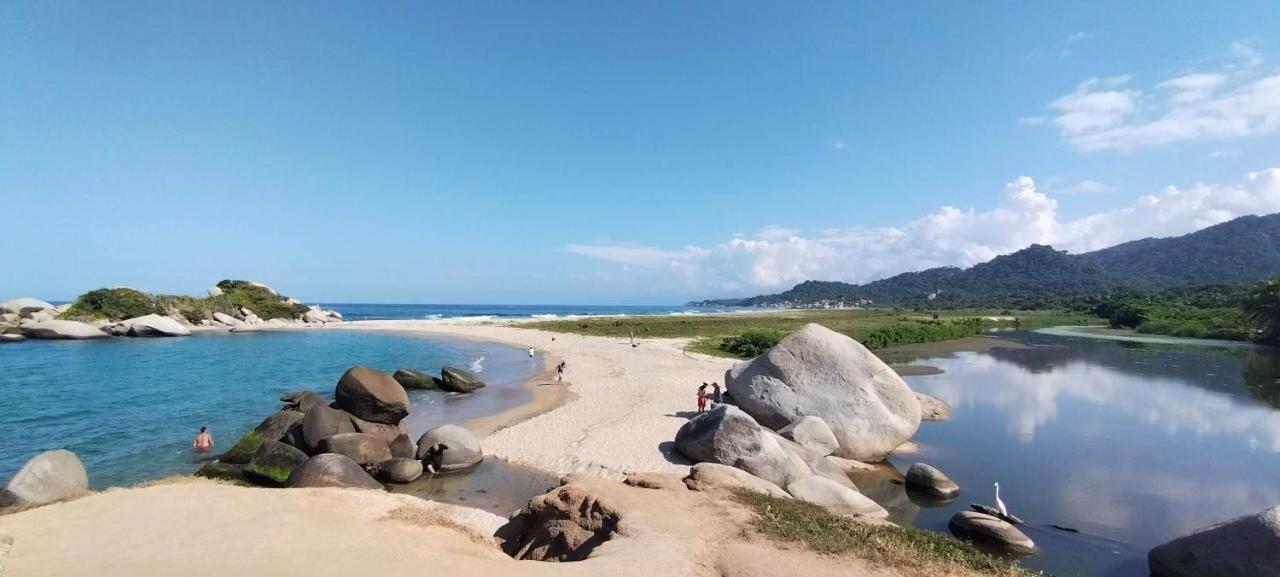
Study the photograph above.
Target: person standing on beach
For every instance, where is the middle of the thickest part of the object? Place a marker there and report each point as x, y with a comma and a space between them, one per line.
560, 372
204, 441
716, 398
702, 398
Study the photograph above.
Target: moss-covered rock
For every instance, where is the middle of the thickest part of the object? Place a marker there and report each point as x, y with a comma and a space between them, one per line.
274, 462
223, 472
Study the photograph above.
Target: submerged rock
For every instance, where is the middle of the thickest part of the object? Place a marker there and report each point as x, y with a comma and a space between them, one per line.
836, 498
709, 476
72, 330
922, 477
464, 449
983, 527
414, 379
817, 371
1244, 546
331, 470
371, 395
457, 380
728, 436
47, 477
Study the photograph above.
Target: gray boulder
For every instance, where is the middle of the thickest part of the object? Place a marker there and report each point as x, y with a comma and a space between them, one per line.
817, 371
74, 330
414, 379
400, 470
273, 428
817, 462
464, 449
382, 431
322, 422
273, 462
836, 498
811, 433
156, 326
982, 527
11, 338
708, 476
403, 447
367, 450
928, 479
728, 436
1244, 546
315, 315
47, 477
227, 319
303, 401
9, 317
331, 470
457, 380
371, 395
24, 305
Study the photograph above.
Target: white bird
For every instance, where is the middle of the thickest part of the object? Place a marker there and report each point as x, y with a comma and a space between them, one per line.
999, 503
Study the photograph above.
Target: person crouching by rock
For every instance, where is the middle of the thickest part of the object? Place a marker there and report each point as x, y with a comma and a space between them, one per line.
434, 459
702, 398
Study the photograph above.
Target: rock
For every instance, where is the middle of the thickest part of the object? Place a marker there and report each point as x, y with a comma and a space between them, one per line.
8, 338
303, 401
274, 462
292, 301
315, 316
273, 428
403, 447
335, 314
709, 476
850, 464
994, 512
156, 326
728, 436
24, 305
61, 330
817, 462
928, 479
39, 316
813, 434
932, 408
457, 380
382, 431
371, 395
400, 470
982, 527
331, 470
223, 472
817, 371
9, 317
656, 481
321, 422
367, 450
47, 477
464, 450
414, 379
227, 319
215, 291
1244, 546
836, 498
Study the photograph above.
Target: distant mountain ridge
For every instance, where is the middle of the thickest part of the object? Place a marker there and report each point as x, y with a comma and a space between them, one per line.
1245, 249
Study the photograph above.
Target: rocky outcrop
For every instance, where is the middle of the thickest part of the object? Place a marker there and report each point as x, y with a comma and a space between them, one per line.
316, 315
331, 470
322, 422
414, 379
371, 395
227, 319
927, 479
836, 498
728, 436
273, 428
367, 450
273, 462
25, 305
463, 452
400, 470
1244, 546
156, 326
566, 524
47, 477
303, 401
817, 371
73, 330
712, 476
932, 408
811, 433
457, 380
991, 530
403, 447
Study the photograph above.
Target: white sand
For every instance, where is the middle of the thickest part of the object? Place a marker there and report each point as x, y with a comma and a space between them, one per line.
627, 405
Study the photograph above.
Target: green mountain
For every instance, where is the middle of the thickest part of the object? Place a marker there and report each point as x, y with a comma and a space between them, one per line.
1242, 250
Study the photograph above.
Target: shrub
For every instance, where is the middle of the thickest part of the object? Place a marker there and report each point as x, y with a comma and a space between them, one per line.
260, 300
904, 333
115, 304
751, 343
191, 308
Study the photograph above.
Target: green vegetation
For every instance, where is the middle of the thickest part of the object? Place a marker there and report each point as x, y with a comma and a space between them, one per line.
259, 299
1215, 311
115, 304
912, 550
751, 343
125, 303
275, 474
1262, 307
244, 448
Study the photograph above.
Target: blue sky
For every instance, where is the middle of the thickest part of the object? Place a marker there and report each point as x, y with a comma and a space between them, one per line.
609, 153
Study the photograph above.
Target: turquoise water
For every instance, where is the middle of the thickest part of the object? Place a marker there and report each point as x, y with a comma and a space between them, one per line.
130, 407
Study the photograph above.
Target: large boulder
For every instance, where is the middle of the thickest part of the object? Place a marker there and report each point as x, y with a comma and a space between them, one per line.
382, 431
273, 462
400, 470
367, 450
817, 371
817, 462
272, 428
331, 470
464, 449
11, 338
403, 447
457, 380
24, 305
303, 401
227, 319
315, 316
414, 379
322, 422
62, 330
836, 498
992, 530
1244, 546
811, 433
47, 477
371, 395
728, 436
156, 326
929, 479
709, 476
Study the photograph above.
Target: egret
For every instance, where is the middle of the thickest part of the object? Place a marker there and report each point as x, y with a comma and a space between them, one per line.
999, 503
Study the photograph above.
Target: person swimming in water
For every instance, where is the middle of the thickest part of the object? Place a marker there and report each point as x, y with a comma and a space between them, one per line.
204, 441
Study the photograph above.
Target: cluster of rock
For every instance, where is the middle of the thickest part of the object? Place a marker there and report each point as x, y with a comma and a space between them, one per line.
18, 314
451, 379
354, 441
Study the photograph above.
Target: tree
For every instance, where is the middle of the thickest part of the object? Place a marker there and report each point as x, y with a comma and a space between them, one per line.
1262, 307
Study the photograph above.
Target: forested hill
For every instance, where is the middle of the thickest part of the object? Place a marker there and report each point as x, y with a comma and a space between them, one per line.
1242, 250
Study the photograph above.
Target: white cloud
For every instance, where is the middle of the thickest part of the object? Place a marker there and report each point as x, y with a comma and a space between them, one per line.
1234, 102
1086, 187
777, 257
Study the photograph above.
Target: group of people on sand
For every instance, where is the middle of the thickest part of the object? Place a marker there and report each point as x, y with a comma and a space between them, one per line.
715, 397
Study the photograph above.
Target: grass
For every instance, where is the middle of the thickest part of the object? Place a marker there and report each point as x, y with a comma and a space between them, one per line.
710, 331
793, 520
